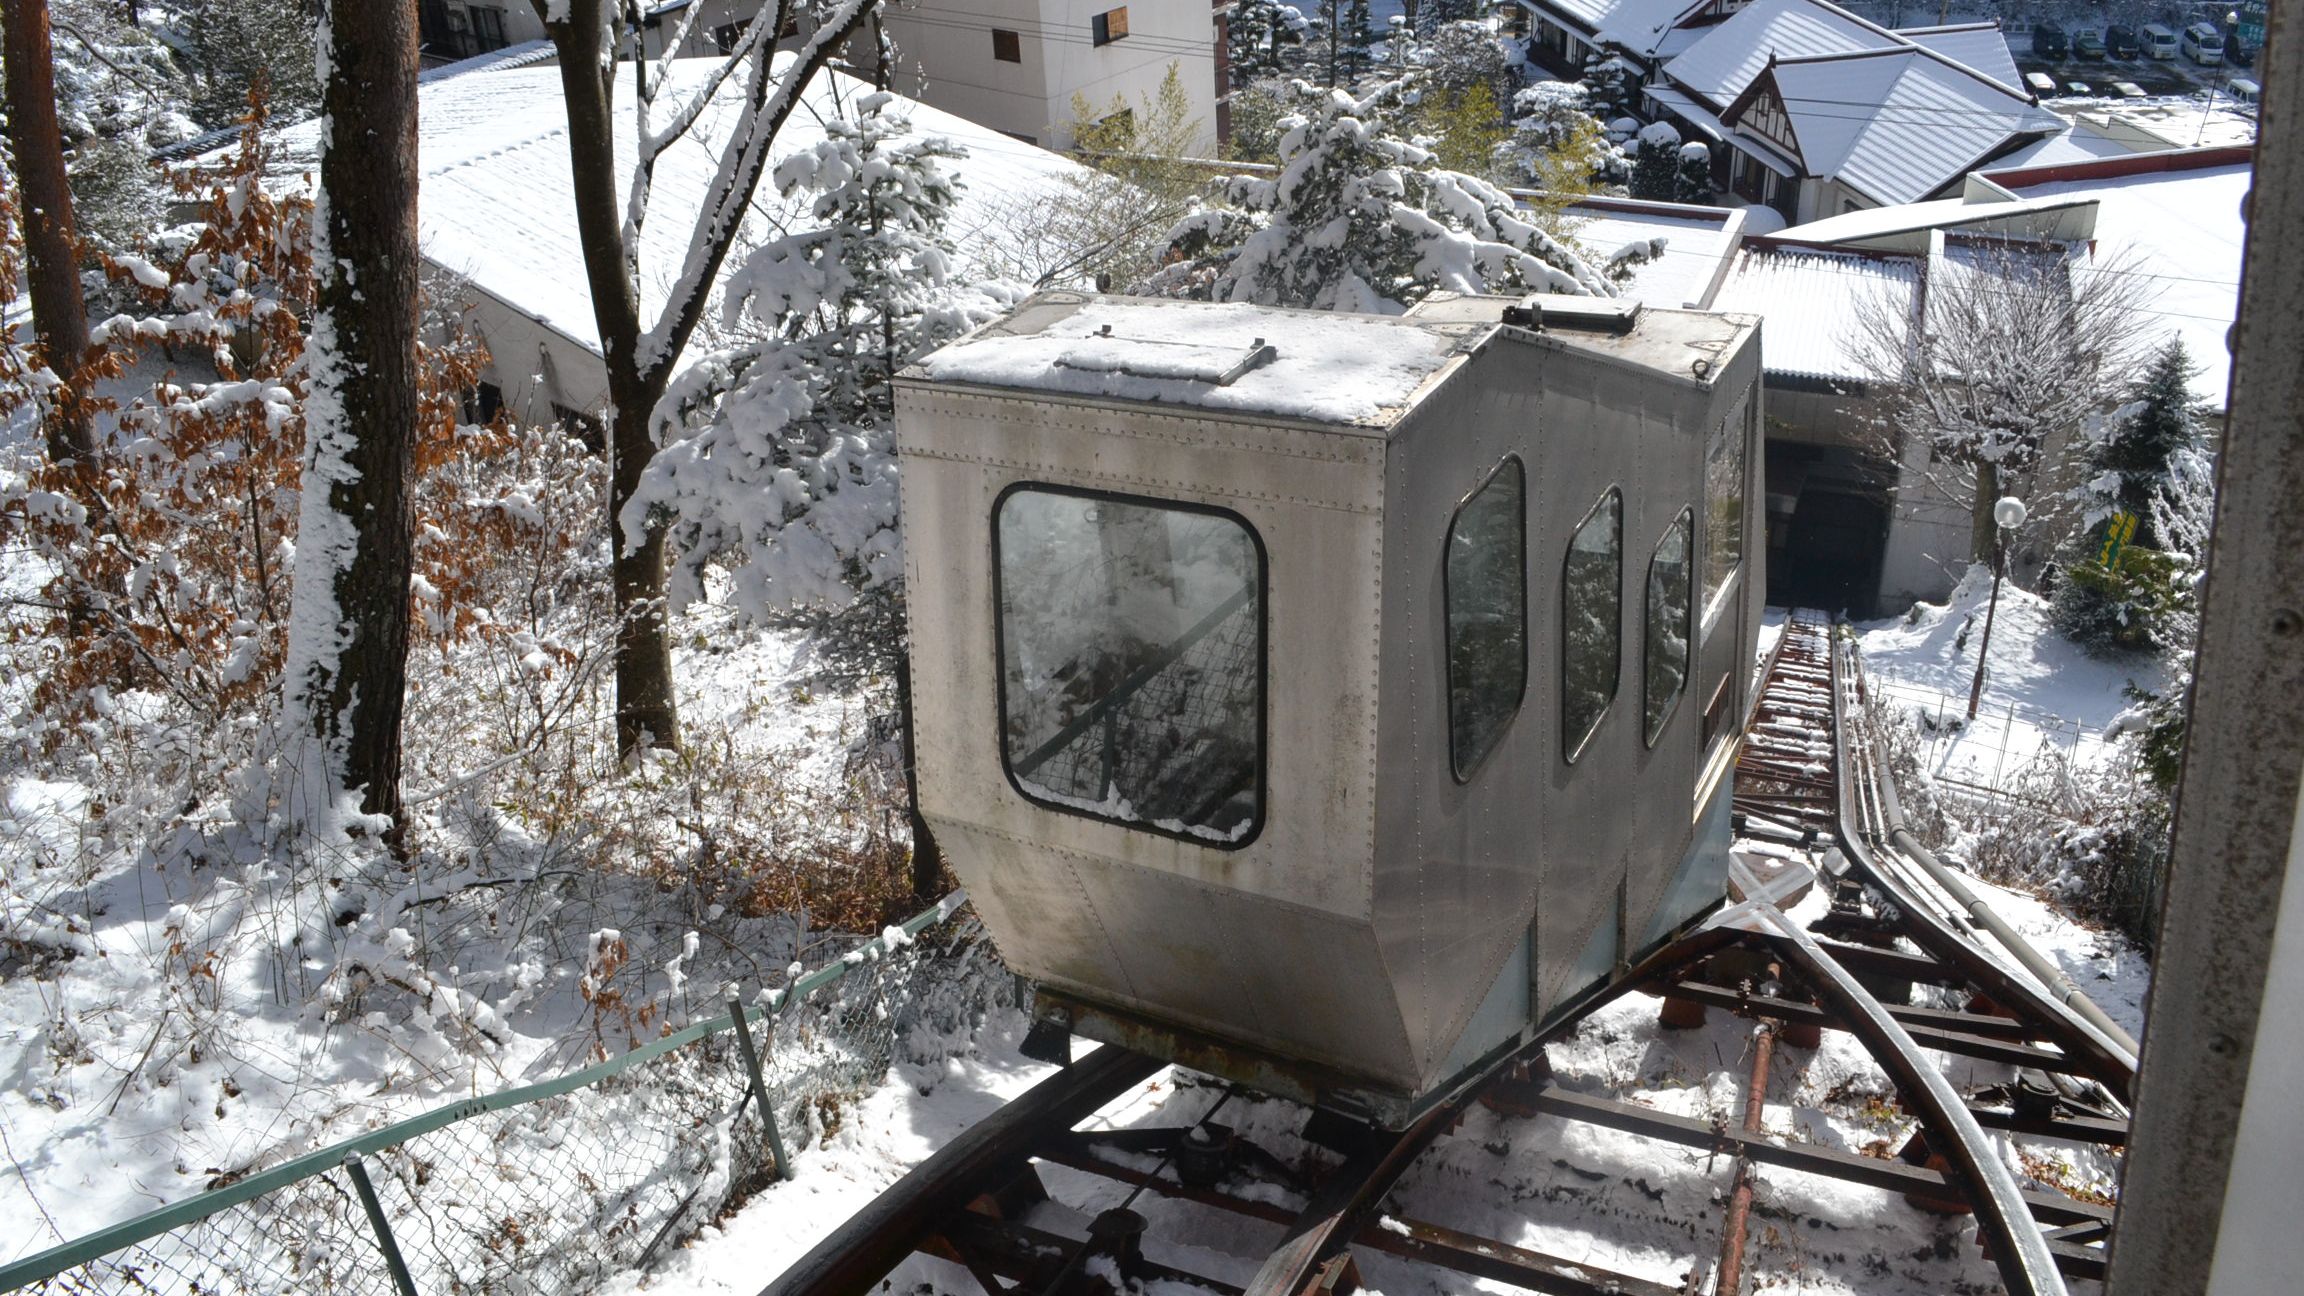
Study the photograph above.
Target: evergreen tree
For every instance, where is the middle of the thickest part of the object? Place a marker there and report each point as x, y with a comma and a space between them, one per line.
1608, 84
1359, 219
1693, 184
1263, 37
236, 43
1656, 163
1432, 15
1342, 31
778, 453
2139, 464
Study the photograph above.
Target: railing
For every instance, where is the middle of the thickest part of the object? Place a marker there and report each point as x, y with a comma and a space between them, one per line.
554, 1187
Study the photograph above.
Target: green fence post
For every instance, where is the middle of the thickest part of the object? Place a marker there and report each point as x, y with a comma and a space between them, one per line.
392, 1261
760, 1087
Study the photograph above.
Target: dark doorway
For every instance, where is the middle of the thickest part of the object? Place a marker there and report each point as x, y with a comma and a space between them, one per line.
1827, 527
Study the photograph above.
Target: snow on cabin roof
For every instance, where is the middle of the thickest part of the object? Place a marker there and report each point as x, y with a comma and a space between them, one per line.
1320, 366
1808, 301
1897, 125
494, 203
2183, 223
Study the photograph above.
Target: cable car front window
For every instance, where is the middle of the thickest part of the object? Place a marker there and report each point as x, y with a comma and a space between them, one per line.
1132, 661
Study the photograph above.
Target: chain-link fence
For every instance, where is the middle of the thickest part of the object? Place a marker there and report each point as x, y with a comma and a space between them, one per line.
554, 1187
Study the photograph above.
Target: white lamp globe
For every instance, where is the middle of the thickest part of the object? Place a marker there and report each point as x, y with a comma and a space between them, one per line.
2009, 512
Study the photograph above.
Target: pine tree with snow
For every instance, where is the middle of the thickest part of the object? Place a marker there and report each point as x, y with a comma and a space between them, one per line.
1432, 15
1263, 37
1359, 219
2144, 463
1609, 84
1343, 32
1656, 163
1693, 183
778, 453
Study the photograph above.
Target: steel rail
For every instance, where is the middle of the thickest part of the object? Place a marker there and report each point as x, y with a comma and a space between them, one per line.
877, 1238
2026, 1262
2104, 1058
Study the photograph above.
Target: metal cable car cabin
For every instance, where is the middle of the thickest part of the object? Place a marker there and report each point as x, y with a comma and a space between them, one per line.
1329, 701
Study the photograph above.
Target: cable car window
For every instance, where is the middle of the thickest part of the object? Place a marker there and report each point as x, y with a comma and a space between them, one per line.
1667, 622
1724, 504
1591, 621
1131, 642
1486, 594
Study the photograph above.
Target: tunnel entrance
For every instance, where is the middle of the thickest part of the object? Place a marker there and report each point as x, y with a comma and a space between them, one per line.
1827, 527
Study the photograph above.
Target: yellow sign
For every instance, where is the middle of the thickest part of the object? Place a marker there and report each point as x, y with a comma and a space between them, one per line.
2117, 533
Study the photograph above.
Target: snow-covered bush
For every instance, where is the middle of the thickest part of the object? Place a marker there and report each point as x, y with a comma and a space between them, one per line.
1360, 219
1693, 184
778, 456
1656, 163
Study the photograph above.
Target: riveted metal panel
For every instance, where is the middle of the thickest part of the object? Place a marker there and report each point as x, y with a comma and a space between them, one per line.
1265, 943
1465, 870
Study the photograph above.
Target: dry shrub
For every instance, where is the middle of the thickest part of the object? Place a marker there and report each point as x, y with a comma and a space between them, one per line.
170, 556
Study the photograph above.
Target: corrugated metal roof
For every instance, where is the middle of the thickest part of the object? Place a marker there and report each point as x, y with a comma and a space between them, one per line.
1809, 304
1725, 61
1899, 126
1982, 46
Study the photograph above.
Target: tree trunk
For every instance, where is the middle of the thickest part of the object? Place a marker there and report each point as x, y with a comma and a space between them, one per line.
647, 713
365, 413
1982, 530
51, 245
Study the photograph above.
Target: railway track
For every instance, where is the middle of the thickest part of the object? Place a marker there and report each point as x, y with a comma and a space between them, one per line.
1806, 785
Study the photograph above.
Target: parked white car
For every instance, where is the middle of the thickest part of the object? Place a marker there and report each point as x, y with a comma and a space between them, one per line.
2159, 42
2203, 44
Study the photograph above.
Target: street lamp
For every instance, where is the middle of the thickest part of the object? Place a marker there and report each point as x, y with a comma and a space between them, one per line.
2007, 515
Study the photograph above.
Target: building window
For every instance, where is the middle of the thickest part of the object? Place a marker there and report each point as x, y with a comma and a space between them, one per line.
1591, 622
727, 36
482, 402
1131, 647
1667, 624
1006, 46
582, 425
1108, 26
1485, 592
487, 29
1724, 505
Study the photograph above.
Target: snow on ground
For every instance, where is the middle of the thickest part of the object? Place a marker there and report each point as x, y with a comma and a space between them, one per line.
2043, 697
93, 1143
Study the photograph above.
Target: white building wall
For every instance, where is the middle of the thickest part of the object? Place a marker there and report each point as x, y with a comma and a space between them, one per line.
1928, 534
945, 58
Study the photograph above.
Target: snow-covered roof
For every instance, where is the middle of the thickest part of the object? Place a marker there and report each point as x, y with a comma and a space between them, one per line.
494, 203
2181, 215
1898, 125
1718, 67
1880, 224
1808, 301
1643, 25
1321, 366
2080, 143
1980, 45
1695, 241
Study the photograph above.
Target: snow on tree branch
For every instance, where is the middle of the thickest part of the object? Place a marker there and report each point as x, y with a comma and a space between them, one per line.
778, 453
1359, 219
